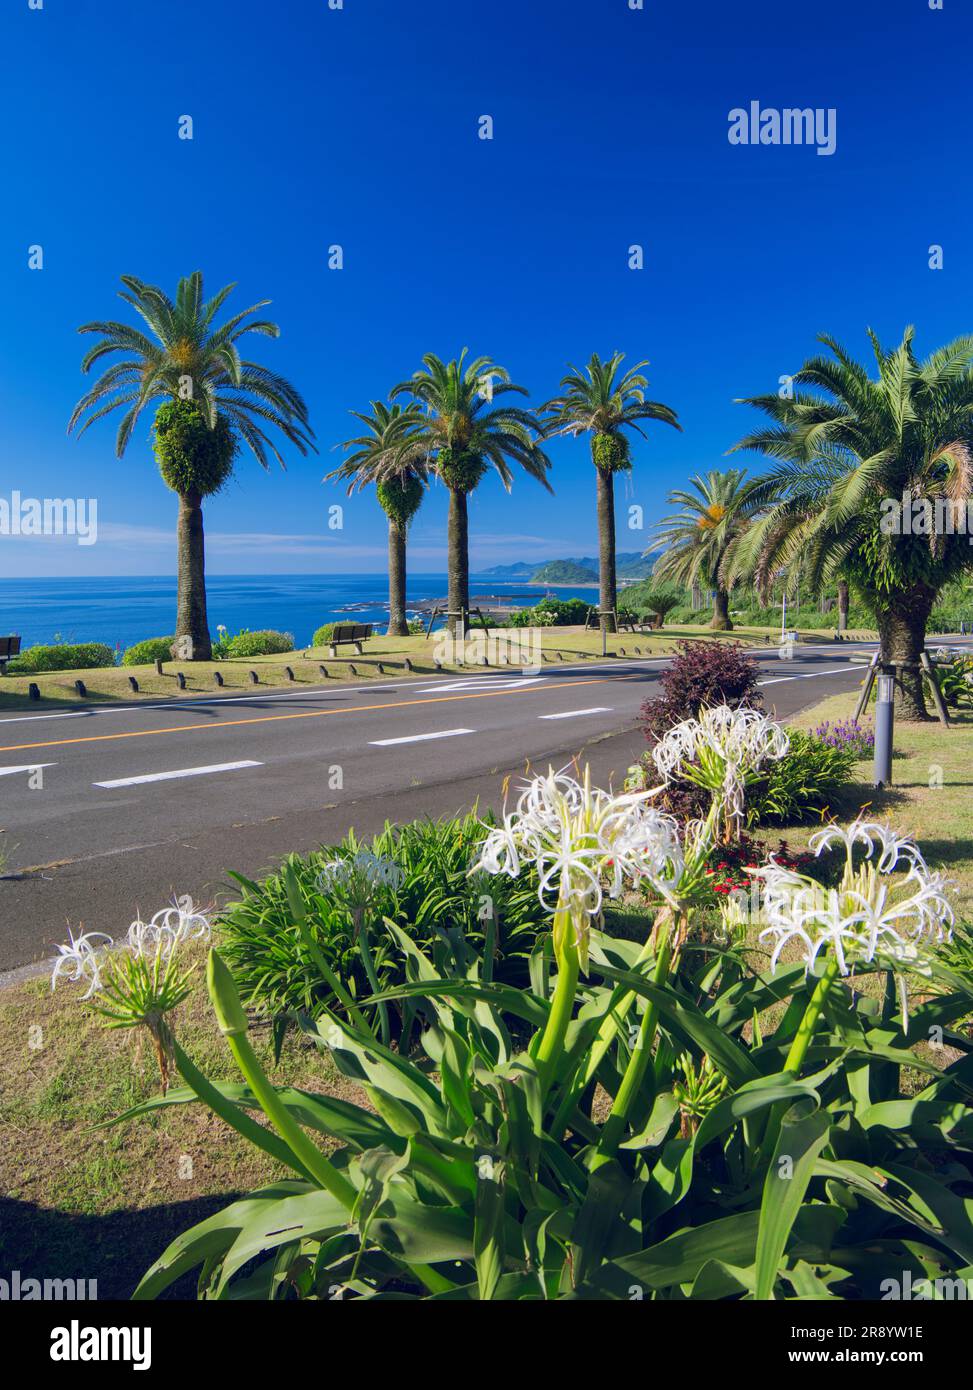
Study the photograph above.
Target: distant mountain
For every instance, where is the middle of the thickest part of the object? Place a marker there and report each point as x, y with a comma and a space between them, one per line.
629, 564
564, 572
517, 571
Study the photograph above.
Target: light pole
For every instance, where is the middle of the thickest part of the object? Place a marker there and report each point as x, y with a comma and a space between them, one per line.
884, 722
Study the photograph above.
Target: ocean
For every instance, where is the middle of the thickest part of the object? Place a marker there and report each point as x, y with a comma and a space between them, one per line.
126, 610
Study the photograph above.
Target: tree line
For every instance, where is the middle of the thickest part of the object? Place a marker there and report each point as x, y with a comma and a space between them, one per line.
840, 443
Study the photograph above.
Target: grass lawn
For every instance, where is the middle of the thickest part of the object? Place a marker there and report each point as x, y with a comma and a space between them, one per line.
83, 1202
932, 795
111, 683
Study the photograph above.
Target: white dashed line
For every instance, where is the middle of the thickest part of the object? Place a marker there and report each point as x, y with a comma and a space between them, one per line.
812, 675
172, 776
576, 713
419, 738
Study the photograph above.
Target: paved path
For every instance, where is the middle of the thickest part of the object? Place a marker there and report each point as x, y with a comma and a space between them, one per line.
116, 808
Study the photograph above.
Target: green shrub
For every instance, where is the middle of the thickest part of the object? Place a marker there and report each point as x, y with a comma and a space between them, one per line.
552, 612
437, 904
956, 682
802, 784
658, 604
265, 643
949, 619
85, 656
150, 651
324, 634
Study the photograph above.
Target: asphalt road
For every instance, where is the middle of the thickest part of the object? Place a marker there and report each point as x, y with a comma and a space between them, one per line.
113, 809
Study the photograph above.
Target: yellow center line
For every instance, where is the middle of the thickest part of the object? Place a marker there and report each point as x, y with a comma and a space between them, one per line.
312, 714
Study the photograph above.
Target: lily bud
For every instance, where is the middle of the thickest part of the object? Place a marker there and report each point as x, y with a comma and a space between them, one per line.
229, 1011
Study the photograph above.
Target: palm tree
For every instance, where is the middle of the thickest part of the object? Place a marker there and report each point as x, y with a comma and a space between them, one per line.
465, 432
696, 539
846, 454
604, 402
212, 399
390, 455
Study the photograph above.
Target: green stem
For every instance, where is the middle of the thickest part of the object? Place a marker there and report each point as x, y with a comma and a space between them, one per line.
232, 1021
321, 1169
638, 1063
565, 989
802, 1038
798, 1051
618, 1006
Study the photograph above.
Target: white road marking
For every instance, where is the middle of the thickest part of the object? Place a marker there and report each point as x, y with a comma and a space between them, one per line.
812, 675
419, 738
172, 776
576, 713
483, 683
26, 767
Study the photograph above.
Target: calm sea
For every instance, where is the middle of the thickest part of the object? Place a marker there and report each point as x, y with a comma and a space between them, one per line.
123, 611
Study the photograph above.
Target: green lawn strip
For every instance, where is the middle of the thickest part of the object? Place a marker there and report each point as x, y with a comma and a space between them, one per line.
72, 1194
111, 684
932, 794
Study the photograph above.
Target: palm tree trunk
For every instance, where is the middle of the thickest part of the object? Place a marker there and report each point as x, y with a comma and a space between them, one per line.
607, 598
902, 636
721, 611
398, 627
191, 620
458, 560
842, 605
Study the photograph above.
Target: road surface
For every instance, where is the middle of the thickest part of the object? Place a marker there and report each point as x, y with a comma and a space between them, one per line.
114, 809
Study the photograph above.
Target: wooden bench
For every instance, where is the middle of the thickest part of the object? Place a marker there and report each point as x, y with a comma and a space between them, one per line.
9, 646
349, 635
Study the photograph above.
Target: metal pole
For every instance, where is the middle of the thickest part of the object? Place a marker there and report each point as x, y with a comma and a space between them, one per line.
884, 724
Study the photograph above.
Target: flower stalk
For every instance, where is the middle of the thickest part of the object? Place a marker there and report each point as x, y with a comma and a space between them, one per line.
232, 1021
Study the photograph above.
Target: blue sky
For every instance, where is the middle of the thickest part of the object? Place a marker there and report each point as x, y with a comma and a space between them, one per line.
359, 126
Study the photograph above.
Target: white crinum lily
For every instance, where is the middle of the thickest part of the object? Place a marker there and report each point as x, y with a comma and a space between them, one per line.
722, 750
575, 835
359, 877
83, 957
884, 909
168, 929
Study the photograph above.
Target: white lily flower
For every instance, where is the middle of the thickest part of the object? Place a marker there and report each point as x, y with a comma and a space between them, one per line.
722, 750
82, 958
875, 913
573, 835
895, 846
362, 872
168, 929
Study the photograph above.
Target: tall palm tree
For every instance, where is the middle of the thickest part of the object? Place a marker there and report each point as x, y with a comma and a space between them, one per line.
211, 400
466, 430
696, 539
605, 402
390, 455
846, 453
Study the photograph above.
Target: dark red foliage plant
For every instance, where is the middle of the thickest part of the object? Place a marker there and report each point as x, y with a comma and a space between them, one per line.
703, 674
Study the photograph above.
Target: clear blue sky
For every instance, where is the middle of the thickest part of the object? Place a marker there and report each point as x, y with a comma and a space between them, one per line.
358, 126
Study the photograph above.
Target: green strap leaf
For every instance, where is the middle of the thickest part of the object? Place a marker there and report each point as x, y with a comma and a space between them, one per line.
803, 1134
